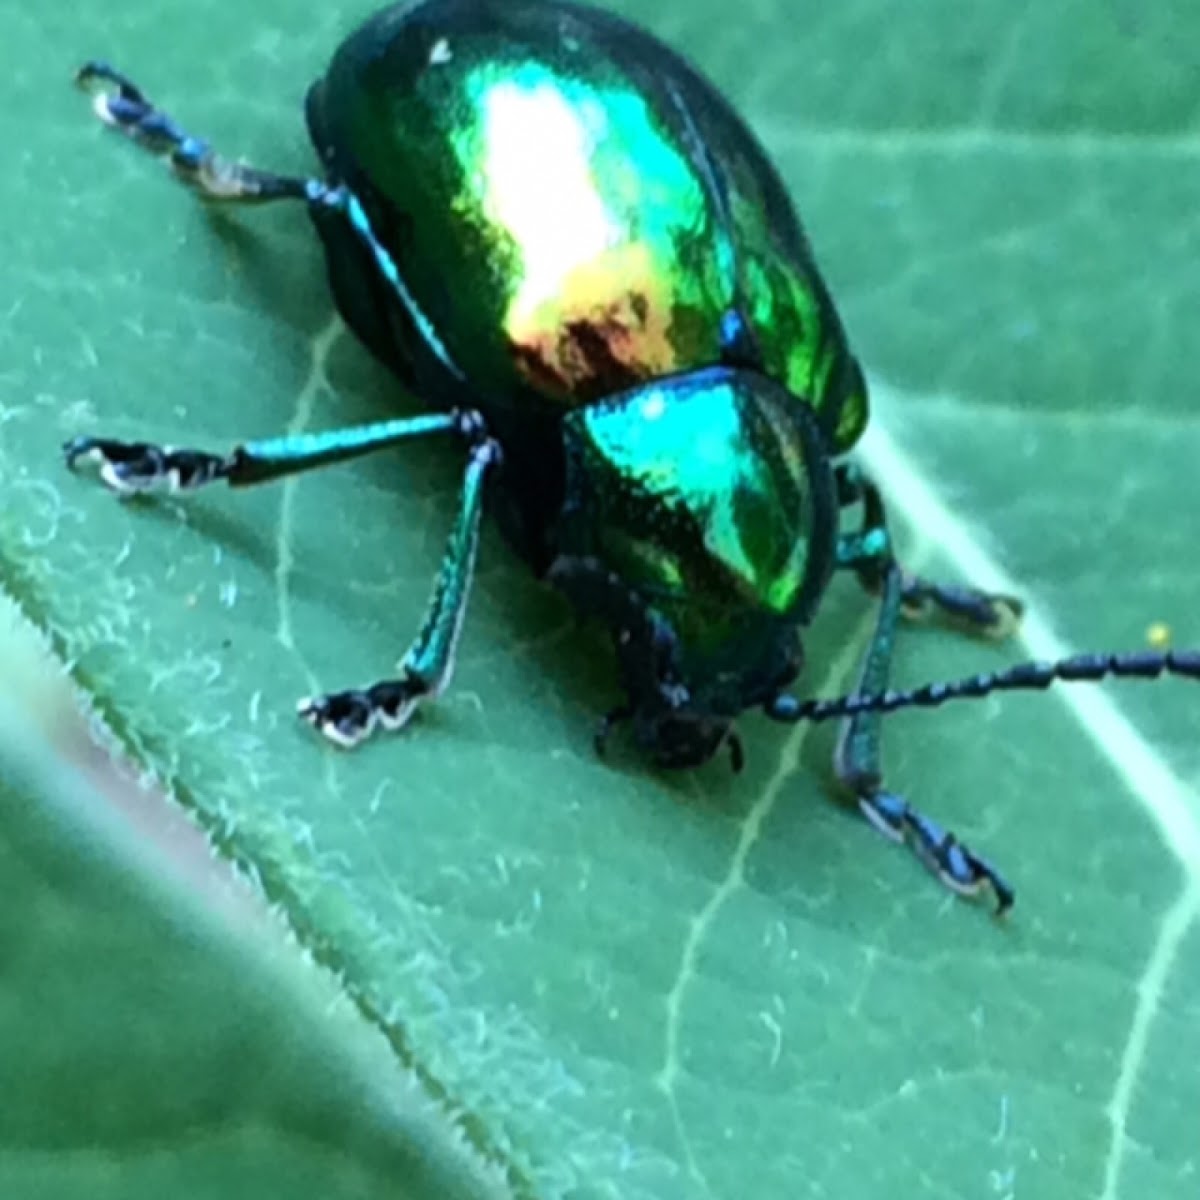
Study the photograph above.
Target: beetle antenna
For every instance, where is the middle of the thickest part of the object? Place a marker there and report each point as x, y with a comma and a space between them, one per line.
1029, 676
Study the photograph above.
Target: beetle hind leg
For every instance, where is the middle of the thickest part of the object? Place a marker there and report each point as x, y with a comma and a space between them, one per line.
121, 103
348, 717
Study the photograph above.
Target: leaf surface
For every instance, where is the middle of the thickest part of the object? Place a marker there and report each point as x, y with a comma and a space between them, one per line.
643, 985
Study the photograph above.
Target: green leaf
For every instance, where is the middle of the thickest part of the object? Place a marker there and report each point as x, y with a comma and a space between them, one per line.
641, 985
156, 1045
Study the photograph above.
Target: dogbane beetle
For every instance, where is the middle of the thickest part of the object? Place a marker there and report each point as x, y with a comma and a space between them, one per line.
557, 233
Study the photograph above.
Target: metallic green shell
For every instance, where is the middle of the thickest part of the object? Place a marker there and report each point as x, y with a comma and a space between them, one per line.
712, 501
574, 209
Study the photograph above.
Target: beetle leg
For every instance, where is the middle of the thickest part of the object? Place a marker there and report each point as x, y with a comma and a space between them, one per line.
988, 613
348, 717
858, 764
124, 106
342, 200
132, 467
869, 554
954, 864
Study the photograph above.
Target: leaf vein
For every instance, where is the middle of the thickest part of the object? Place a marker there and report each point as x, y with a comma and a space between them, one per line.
1172, 807
1151, 986
841, 670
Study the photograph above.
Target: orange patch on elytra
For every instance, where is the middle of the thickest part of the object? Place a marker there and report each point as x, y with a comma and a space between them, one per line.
607, 327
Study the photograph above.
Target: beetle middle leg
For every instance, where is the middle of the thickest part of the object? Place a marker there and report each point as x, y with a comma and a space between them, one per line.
869, 554
350, 716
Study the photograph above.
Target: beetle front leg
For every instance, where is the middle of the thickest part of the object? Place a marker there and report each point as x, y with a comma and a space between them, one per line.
869, 553
123, 105
858, 764
858, 758
348, 717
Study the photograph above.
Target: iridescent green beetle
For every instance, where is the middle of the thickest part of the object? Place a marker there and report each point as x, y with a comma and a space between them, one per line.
564, 239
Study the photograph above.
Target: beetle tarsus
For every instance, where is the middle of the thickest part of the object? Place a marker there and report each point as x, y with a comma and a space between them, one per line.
130, 110
350, 717
95, 71
992, 614
958, 867
207, 173
133, 467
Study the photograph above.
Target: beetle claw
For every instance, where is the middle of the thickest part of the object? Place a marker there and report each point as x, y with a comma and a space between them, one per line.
350, 717
128, 468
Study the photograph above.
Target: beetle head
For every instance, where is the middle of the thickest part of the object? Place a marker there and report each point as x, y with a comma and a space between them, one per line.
682, 711
678, 725
685, 737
